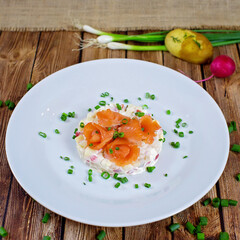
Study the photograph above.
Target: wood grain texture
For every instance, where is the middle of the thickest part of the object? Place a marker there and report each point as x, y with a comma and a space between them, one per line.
24, 215
17, 51
226, 92
74, 230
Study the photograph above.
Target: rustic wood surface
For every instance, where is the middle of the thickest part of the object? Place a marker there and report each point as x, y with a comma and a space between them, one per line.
29, 57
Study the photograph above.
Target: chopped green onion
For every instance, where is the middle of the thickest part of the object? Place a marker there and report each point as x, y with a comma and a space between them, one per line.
110, 151
198, 229
74, 136
206, 202
75, 130
11, 105
181, 134
1, 103
116, 148
71, 114
64, 116
123, 180
150, 169
121, 134
147, 95
232, 126
203, 221
89, 109
82, 124
124, 121
165, 175
117, 185
57, 131
224, 236
70, 171
90, 172
185, 156
168, 112
184, 124
126, 100
90, 177
178, 121
97, 132
147, 185
101, 235
177, 126
142, 129
190, 132
102, 103
115, 134
42, 134
164, 140
232, 202
164, 132
119, 106
29, 86
97, 107
46, 238
238, 177
3, 232
175, 130
173, 227
136, 186
105, 175
109, 128
139, 99
115, 176
105, 94
200, 236
84, 183
144, 106
140, 114
152, 97
66, 158
90, 145
46, 218
235, 148
175, 144
216, 202
190, 227
7, 102
111, 99
224, 203
72, 167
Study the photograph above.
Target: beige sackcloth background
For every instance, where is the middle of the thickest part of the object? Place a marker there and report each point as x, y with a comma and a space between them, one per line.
111, 15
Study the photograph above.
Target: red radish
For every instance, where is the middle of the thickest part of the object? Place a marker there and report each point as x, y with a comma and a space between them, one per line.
222, 66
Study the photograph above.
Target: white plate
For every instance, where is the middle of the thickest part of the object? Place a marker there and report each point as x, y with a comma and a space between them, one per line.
36, 164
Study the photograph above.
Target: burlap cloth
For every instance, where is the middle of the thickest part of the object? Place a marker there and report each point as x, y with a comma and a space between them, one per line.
114, 15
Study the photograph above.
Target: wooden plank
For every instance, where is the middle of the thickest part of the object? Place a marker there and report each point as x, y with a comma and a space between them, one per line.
74, 230
226, 92
156, 230
193, 213
23, 219
17, 51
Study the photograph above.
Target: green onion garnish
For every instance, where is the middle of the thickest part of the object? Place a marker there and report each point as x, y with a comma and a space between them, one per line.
46, 218
71, 114
82, 124
184, 124
90, 177
110, 151
190, 227
143, 131
140, 114
116, 148
124, 121
105, 175
3, 232
136, 186
238, 177
164, 140
46, 238
105, 94
150, 169
123, 180
64, 116
232, 126
178, 121
168, 112
200, 236
90, 172
173, 227
115, 176
101, 235
203, 221
66, 158
232, 202
144, 106
160, 139
152, 97
29, 86
164, 132
165, 175
198, 229
1, 103
181, 134
42, 134
74, 136
102, 103
90, 145
147, 95
147, 185
175, 130
11, 105
119, 106
75, 130
111, 99
56, 131
109, 128
115, 134
117, 185
97, 132
190, 132
97, 107
126, 100
224, 236
224, 203
89, 109
72, 167
185, 157
177, 126
235, 148
7, 102
216, 202
175, 144
206, 202
139, 99
70, 171
121, 134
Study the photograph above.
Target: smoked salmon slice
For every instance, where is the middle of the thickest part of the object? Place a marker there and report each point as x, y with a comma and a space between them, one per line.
122, 152
108, 118
97, 136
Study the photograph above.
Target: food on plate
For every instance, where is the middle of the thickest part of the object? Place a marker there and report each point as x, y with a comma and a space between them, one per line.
122, 139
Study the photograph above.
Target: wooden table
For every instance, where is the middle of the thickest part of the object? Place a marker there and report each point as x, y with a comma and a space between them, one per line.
31, 56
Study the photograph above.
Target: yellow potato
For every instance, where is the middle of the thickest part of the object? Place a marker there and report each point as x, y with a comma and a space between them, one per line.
189, 46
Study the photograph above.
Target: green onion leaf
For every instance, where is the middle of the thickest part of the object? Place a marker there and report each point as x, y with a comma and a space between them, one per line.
164, 132
178, 121
74, 136
235, 148
90, 145
203, 221
165, 175
64, 116
224, 236
89, 109
147, 95
117, 148
181, 134
200, 236
238, 177
115, 134
102, 103
111, 99
216, 202
90, 177
184, 124
152, 97
140, 114
105, 175
110, 151
185, 157
121, 134
175, 130
126, 100
117, 185
109, 128
29, 86
190, 132
7, 102
119, 106
66, 158
97, 107
56, 131
115, 176
206, 202
224, 202
136, 186
173, 227
144, 106
190, 227
232, 126
72, 167
139, 99
105, 94
46, 218
147, 185
198, 229
75, 130
3, 232
124, 121
168, 112
46, 238
123, 180
42, 134
175, 144
232, 202
101, 235
82, 124
11, 105
1, 103
164, 140
70, 171
150, 169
